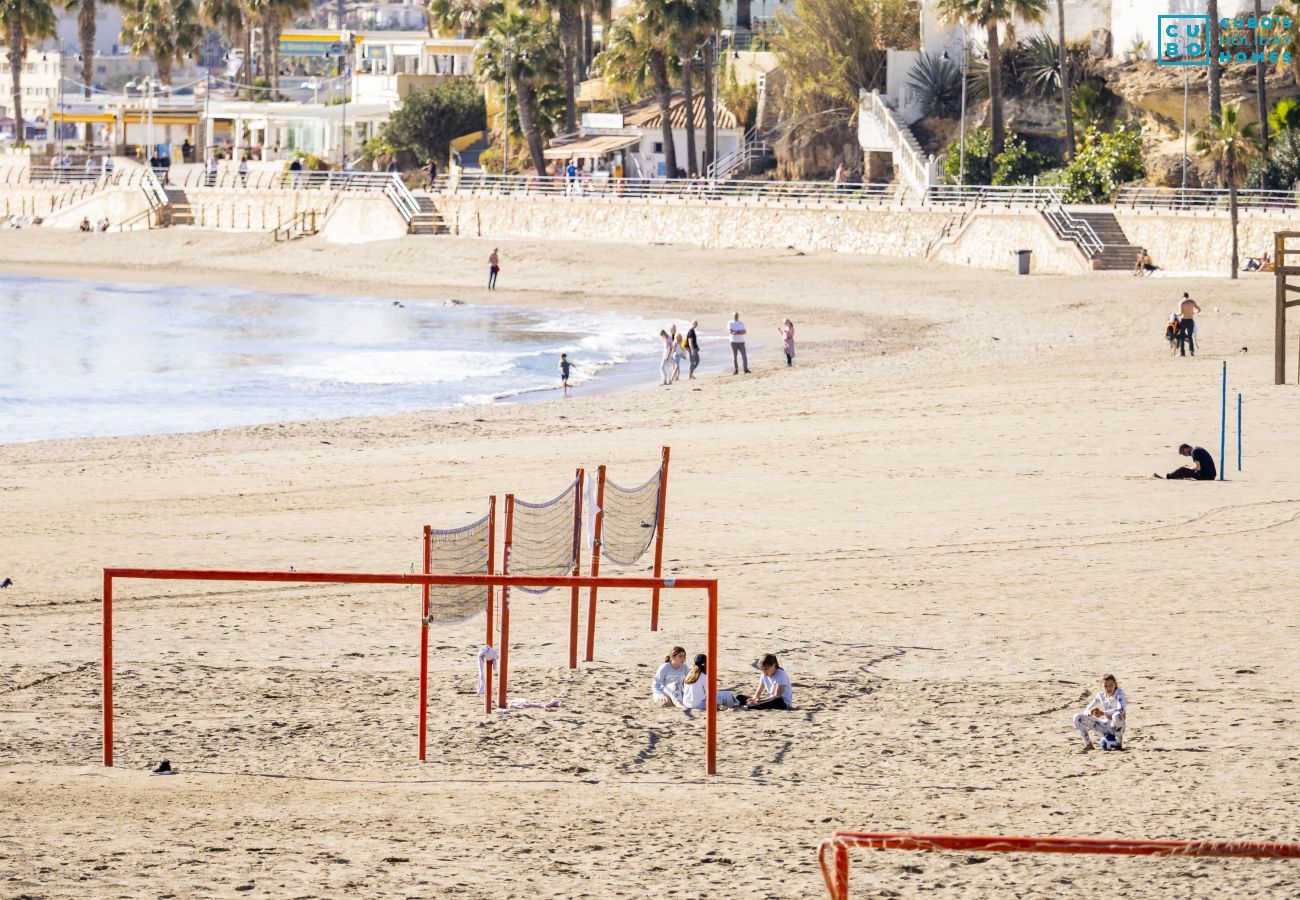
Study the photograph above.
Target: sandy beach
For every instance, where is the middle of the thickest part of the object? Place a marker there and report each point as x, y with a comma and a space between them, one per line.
942, 520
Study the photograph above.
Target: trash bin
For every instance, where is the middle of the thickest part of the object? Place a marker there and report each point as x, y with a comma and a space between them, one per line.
1022, 261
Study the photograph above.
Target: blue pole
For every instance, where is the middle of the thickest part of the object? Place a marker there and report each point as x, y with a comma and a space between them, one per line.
1223, 421
1239, 432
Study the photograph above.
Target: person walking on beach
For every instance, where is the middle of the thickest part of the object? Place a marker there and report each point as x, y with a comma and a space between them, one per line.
677, 343
1104, 715
565, 366
666, 363
693, 349
736, 328
1201, 469
494, 266
1187, 311
786, 331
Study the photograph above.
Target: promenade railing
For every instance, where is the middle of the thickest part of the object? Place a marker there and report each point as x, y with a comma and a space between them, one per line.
992, 195
281, 180
601, 188
1169, 198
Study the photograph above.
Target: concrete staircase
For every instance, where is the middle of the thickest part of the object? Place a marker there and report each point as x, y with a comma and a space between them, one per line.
1117, 253
469, 156
428, 220
178, 210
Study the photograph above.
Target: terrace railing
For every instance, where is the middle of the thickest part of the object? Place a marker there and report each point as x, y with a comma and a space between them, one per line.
1203, 198
683, 189
279, 180
1072, 228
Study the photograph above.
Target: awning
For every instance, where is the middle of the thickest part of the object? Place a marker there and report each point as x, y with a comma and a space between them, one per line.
596, 145
158, 119
84, 118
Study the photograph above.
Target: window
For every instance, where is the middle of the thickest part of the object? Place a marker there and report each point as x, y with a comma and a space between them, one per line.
659, 147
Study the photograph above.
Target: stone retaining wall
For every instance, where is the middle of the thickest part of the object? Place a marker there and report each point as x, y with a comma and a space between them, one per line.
1202, 241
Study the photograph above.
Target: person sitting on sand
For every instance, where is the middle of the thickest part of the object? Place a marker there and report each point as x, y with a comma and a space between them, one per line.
774, 690
85, 224
695, 693
1144, 265
1261, 263
1201, 469
1104, 714
668, 683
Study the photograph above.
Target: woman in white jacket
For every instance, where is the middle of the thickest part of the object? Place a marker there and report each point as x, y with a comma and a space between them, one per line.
1104, 714
695, 694
667, 687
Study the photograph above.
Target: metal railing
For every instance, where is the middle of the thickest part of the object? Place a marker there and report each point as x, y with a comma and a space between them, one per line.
283, 180
992, 195
1071, 228
614, 189
1203, 198
751, 148
910, 160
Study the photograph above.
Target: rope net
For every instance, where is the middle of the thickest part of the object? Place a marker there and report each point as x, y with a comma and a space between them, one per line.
631, 516
459, 551
545, 537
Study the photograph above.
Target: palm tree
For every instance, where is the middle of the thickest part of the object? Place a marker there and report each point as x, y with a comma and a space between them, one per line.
1262, 90
1064, 57
655, 33
693, 21
989, 14
24, 20
463, 18
275, 13
165, 30
1212, 51
1289, 37
528, 41
1230, 144
85, 39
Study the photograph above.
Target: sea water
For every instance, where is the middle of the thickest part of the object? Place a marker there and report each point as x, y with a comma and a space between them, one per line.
88, 359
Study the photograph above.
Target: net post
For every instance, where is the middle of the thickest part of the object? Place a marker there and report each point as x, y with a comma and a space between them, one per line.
598, 530
1238, 432
577, 570
504, 652
107, 673
659, 540
491, 561
711, 700
424, 645
841, 870
1223, 424
1279, 307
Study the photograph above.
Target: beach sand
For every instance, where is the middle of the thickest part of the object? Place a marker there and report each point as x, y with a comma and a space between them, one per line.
942, 519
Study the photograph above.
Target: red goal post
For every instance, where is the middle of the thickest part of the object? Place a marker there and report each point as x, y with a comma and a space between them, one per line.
709, 585
833, 853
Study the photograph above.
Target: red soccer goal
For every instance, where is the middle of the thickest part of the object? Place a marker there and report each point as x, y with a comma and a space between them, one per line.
483, 582
833, 853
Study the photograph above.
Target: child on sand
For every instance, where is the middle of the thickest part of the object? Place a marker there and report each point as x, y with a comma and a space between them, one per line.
565, 366
773, 688
1104, 714
695, 694
669, 680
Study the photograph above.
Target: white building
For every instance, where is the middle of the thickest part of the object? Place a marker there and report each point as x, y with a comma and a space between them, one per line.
633, 139
394, 15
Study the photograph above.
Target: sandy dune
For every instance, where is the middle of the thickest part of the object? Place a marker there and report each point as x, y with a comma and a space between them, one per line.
942, 520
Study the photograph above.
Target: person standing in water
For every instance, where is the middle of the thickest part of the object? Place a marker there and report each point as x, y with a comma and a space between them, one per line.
565, 366
494, 266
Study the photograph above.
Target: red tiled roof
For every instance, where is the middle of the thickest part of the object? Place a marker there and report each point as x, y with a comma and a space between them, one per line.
645, 114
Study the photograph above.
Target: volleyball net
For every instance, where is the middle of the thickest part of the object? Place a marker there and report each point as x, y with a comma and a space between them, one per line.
479, 583
833, 853
625, 524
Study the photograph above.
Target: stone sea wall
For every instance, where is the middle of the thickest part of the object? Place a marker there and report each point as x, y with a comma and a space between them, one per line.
987, 240
1202, 241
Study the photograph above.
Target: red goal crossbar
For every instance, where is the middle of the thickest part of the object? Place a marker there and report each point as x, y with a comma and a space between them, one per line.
709, 585
835, 869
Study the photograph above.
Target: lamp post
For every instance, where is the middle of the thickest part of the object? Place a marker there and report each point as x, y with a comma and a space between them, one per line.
147, 84
505, 121
961, 178
1184, 129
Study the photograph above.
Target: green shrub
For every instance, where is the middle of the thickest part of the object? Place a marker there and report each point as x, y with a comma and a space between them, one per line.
429, 120
938, 83
1016, 164
1104, 161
